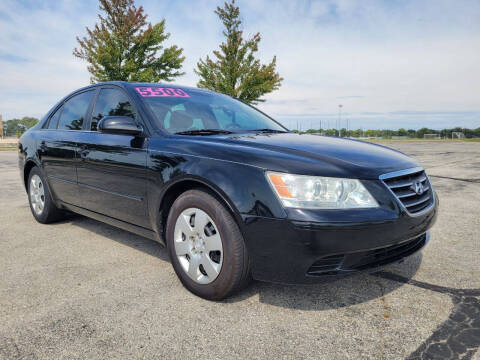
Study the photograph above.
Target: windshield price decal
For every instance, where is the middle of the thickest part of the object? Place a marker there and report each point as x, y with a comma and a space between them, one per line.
161, 92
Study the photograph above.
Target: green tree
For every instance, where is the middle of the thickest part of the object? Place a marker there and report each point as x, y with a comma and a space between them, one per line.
411, 133
355, 133
124, 46
421, 132
236, 71
17, 127
477, 132
29, 121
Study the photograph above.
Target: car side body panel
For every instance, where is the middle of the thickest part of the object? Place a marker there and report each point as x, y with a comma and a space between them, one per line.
57, 152
111, 173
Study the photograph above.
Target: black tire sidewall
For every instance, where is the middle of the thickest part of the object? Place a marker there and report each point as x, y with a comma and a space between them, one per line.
224, 284
49, 210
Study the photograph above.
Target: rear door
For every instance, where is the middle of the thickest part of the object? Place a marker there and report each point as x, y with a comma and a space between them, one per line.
58, 145
112, 167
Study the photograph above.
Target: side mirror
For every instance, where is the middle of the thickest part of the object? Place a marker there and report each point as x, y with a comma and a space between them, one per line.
119, 125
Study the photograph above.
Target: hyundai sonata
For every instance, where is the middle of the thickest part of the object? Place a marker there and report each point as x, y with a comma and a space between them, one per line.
230, 192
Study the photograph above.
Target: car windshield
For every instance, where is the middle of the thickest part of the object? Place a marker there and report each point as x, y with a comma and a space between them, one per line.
197, 112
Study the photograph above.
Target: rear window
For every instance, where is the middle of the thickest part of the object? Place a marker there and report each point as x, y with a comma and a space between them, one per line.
74, 111
178, 110
53, 122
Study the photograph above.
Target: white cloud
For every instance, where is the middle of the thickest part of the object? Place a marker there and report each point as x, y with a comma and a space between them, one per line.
370, 56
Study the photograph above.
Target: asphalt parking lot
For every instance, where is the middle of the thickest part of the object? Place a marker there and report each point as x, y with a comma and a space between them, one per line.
84, 289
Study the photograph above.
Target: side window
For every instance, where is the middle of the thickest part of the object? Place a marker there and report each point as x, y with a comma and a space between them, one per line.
53, 122
74, 111
111, 102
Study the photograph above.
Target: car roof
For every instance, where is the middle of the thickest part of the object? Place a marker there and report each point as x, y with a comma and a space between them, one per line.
128, 84
167, 85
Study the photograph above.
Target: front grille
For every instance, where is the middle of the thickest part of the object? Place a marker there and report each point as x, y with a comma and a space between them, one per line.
412, 188
390, 254
364, 260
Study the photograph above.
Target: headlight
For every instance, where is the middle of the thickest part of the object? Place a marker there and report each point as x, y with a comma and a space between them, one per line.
315, 192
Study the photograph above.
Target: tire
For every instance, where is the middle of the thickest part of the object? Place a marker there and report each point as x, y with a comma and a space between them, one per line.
41, 203
197, 221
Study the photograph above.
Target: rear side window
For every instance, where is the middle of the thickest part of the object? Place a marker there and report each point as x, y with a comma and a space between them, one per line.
74, 111
111, 102
53, 122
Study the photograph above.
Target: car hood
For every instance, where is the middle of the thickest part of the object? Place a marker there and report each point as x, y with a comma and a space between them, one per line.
354, 152
301, 154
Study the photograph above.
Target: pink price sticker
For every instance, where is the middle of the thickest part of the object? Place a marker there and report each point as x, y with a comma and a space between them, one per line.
161, 92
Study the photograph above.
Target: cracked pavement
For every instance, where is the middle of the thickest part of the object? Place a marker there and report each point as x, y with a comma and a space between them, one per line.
82, 289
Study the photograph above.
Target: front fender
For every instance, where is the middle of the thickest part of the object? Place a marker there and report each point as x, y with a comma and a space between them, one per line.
243, 187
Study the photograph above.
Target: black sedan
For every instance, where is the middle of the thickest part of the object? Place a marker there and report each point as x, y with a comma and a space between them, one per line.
232, 193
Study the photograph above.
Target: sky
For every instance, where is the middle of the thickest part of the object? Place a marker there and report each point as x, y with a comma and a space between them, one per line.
390, 63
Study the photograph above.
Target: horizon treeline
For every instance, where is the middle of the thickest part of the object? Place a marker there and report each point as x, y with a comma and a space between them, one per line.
388, 133
16, 127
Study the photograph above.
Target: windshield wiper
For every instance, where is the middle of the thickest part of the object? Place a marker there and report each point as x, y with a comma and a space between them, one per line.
268, 130
204, 132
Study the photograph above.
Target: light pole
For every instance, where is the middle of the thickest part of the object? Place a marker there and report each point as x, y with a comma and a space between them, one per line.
339, 118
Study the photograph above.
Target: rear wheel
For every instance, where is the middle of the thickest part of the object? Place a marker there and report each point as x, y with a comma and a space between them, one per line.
206, 247
41, 203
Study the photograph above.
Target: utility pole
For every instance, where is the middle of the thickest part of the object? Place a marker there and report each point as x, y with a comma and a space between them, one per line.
1, 126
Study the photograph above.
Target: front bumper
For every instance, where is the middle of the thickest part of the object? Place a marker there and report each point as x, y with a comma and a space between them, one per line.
292, 251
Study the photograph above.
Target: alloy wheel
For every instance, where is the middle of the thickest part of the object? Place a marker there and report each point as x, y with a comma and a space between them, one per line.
37, 194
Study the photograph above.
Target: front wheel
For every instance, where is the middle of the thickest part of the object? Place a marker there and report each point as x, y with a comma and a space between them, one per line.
206, 247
